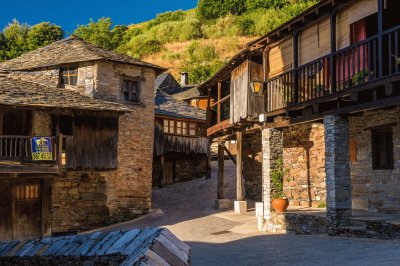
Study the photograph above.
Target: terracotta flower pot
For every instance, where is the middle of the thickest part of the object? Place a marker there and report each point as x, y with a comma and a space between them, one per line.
280, 205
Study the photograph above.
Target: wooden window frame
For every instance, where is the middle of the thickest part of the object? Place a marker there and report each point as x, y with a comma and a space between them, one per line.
129, 91
185, 127
68, 74
377, 136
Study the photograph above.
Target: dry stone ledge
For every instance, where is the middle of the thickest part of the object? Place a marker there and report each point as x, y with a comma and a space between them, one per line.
149, 246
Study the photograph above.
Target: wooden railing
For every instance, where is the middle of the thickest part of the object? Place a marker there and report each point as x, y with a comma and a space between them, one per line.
363, 62
19, 148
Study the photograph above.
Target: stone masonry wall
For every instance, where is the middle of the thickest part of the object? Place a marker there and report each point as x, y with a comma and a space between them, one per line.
79, 201
51, 76
374, 190
129, 188
304, 161
189, 167
41, 123
252, 166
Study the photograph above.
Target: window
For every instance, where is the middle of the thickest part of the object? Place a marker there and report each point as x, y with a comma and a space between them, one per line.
184, 128
192, 129
180, 128
69, 75
130, 91
382, 149
27, 192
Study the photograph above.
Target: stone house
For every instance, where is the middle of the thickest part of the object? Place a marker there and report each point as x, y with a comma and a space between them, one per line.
95, 109
321, 92
181, 148
184, 91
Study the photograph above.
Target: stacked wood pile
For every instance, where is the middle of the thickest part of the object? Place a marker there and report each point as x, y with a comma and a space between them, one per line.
150, 246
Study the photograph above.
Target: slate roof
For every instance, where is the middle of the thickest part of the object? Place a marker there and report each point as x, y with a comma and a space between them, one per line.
149, 246
168, 106
188, 94
69, 50
16, 92
160, 79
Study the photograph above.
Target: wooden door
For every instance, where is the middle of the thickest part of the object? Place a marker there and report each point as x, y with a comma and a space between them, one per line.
169, 173
27, 214
6, 227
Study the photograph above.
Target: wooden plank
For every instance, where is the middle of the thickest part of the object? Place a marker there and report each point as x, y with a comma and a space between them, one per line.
218, 127
182, 245
221, 160
174, 249
239, 175
167, 255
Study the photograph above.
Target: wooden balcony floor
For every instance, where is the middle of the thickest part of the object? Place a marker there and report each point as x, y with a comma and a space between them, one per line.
7, 167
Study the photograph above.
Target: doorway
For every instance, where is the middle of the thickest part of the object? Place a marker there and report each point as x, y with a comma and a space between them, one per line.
21, 209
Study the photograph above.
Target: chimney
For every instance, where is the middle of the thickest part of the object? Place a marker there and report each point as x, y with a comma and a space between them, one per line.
184, 79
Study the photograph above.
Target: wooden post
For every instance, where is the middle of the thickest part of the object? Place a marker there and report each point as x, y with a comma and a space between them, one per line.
208, 114
332, 64
380, 42
296, 65
239, 175
221, 161
219, 103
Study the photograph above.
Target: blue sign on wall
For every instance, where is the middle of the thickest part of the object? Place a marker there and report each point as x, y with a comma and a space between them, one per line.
42, 149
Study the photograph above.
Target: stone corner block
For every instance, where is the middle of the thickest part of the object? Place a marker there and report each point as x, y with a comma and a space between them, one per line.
240, 207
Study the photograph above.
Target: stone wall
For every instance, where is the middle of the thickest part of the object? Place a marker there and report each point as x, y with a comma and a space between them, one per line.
129, 188
252, 165
79, 201
190, 167
41, 123
187, 167
303, 156
46, 76
374, 190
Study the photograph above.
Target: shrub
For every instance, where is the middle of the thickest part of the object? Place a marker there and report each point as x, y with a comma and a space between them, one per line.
265, 4
277, 180
178, 15
212, 9
139, 47
246, 26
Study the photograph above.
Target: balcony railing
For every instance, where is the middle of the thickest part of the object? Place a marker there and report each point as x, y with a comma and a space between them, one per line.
361, 63
18, 154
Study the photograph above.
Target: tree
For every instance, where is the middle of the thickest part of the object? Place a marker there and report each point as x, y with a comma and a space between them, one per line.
102, 34
43, 34
15, 34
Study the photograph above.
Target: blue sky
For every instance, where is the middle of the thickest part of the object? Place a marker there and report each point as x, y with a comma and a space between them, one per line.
70, 13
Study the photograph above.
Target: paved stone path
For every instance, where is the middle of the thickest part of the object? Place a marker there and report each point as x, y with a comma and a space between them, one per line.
224, 238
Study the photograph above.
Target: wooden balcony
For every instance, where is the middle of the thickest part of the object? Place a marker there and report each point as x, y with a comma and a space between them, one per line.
365, 62
17, 155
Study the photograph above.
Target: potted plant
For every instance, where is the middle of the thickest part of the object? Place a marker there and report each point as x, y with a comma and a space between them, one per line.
360, 77
279, 201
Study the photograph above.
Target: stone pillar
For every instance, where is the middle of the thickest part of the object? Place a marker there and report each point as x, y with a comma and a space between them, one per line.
272, 148
337, 168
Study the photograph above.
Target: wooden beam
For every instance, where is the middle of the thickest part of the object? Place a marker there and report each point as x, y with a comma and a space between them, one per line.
230, 155
161, 179
239, 175
221, 161
219, 102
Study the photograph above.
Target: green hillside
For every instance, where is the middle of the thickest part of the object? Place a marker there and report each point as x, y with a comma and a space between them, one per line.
198, 41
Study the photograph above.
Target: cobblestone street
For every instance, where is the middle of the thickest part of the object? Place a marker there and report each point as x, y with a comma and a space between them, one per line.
224, 238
